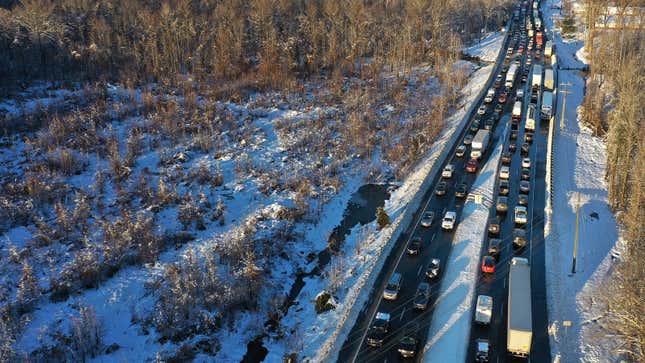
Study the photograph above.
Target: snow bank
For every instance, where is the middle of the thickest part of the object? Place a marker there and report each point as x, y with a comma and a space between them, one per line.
451, 320
487, 48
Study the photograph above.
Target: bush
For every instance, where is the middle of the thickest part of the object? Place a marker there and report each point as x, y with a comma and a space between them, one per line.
382, 218
86, 334
323, 302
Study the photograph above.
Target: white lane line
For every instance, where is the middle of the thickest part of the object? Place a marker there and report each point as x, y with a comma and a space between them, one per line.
433, 236
419, 272
402, 312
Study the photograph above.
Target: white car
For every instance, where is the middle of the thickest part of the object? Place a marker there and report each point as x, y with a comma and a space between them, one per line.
481, 110
490, 96
448, 171
526, 163
449, 220
484, 310
520, 215
505, 172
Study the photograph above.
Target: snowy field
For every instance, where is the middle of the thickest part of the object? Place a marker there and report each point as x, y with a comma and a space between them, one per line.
487, 49
578, 172
452, 317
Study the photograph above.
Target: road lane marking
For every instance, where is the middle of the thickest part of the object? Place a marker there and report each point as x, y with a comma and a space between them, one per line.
402, 312
419, 272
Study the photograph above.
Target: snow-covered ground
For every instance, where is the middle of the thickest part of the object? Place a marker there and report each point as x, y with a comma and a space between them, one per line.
578, 174
452, 317
487, 49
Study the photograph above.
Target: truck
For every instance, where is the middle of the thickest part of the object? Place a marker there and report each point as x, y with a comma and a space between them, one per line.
548, 79
484, 309
530, 118
480, 143
548, 48
510, 75
536, 79
519, 322
547, 105
517, 110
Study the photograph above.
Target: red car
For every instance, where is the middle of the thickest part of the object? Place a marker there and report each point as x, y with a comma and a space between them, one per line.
471, 165
521, 49
488, 265
502, 97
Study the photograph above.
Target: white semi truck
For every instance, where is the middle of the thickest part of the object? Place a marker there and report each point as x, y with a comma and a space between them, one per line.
530, 118
548, 48
536, 79
547, 105
548, 79
510, 75
519, 322
480, 143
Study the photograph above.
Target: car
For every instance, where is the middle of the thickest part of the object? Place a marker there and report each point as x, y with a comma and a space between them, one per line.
393, 286
502, 204
468, 139
537, 56
520, 49
488, 124
474, 126
449, 220
508, 89
528, 137
504, 187
525, 148
506, 158
433, 268
525, 77
481, 356
408, 346
497, 84
378, 330
488, 265
462, 190
428, 217
498, 107
490, 95
526, 174
513, 134
530, 46
484, 309
442, 188
505, 68
471, 165
502, 97
414, 247
529, 62
481, 110
422, 296
505, 172
448, 170
499, 78
515, 124
494, 227
497, 115
519, 237
512, 146
461, 151
520, 215
494, 246
526, 163
525, 186
523, 199
519, 95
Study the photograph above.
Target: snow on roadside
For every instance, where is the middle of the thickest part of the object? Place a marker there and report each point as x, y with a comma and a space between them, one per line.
452, 316
487, 48
578, 170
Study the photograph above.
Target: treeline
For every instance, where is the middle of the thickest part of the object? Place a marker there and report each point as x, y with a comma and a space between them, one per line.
613, 107
257, 42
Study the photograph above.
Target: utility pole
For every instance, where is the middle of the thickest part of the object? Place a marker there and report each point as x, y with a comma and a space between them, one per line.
564, 101
575, 239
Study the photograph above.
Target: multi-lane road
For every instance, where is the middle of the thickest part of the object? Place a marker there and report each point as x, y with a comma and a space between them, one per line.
437, 244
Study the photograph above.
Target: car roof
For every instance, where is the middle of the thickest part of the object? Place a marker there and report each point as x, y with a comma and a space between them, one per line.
382, 316
451, 214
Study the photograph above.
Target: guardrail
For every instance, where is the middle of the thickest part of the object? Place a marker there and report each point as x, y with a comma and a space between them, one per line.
413, 211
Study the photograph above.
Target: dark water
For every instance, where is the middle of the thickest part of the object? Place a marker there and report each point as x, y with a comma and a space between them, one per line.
361, 209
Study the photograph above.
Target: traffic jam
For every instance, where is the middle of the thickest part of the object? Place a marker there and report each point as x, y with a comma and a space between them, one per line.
523, 87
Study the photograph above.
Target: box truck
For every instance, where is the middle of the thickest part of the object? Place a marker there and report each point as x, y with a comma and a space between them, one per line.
480, 143
530, 118
547, 105
517, 110
519, 322
548, 79
548, 48
536, 79
510, 76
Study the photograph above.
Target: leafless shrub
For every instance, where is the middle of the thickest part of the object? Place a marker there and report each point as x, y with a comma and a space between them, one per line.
28, 290
190, 212
165, 194
86, 334
66, 161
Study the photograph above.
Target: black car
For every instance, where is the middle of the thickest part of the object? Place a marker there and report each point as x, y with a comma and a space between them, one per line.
414, 247
494, 227
498, 107
488, 124
528, 137
523, 199
512, 146
513, 134
494, 246
442, 187
526, 174
497, 115
379, 329
506, 158
525, 78
474, 126
422, 296
525, 186
462, 190
408, 346
526, 148
504, 187
519, 237
432, 270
